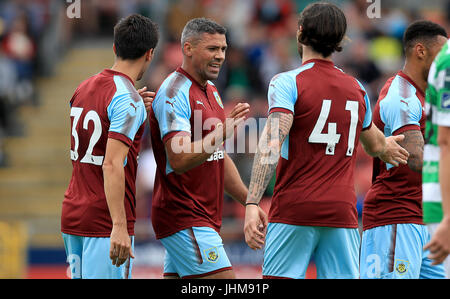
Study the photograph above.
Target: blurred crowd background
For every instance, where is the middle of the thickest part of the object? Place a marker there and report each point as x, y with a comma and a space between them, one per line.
37, 35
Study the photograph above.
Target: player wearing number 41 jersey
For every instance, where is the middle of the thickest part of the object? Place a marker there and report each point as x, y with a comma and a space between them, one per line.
107, 117
319, 114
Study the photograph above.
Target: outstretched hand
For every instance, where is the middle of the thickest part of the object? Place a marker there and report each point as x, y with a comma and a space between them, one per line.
121, 248
236, 117
255, 226
147, 96
439, 245
394, 154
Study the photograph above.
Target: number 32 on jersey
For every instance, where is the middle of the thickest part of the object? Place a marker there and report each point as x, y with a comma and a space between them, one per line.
331, 139
91, 116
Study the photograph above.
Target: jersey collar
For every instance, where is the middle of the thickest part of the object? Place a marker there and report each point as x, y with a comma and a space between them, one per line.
317, 60
407, 78
186, 74
116, 73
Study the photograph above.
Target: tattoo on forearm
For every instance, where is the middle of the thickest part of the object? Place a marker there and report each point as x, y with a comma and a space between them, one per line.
266, 158
414, 143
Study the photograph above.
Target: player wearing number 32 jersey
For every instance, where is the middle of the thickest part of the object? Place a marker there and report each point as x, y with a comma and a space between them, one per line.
321, 113
107, 120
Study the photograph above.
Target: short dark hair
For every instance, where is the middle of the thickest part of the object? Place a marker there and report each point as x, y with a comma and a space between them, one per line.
135, 35
324, 26
421, 31
197, 26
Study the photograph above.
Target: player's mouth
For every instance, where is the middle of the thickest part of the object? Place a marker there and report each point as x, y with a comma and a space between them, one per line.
214, 67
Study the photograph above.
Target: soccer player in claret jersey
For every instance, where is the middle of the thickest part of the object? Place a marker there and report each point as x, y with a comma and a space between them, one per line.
186, 119
394, 234
107, 120
317, 114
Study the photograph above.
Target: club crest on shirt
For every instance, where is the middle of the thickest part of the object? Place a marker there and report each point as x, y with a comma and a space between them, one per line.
212, 254
445, 100
218, 99
401, 266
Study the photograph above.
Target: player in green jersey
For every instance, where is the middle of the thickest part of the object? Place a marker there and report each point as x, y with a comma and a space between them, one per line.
436, 168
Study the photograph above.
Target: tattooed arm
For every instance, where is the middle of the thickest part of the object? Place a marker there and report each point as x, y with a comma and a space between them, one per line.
413, 143
387, 149
268, 152
266, 160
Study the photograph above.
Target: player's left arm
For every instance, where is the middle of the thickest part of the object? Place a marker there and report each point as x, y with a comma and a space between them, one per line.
265, 162
114, 185
403, 115
126, 117
439, 245
413, 143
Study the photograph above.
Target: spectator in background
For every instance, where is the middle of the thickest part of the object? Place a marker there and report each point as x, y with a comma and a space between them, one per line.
180, 13
21, 49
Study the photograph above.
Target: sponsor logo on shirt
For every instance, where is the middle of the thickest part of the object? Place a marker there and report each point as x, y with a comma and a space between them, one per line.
217, 155
445, 100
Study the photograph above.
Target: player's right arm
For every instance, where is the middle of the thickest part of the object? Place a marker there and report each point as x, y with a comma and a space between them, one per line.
174, 118
184, 154
265, 163
282, 95
387, 149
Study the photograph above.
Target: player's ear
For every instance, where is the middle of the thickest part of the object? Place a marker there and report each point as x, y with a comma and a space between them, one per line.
299, 32
421, 51
187, 49
149, 54
114, 49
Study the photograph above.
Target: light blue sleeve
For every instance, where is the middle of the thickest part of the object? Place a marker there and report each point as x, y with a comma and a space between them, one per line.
368, 116
282, 92
397, 112
126, 115
173, 114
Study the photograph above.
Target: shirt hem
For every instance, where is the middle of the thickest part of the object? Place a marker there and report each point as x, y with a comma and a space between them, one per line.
193, 224
312, 223
432, 220
121, 137
92, 234
394, 221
